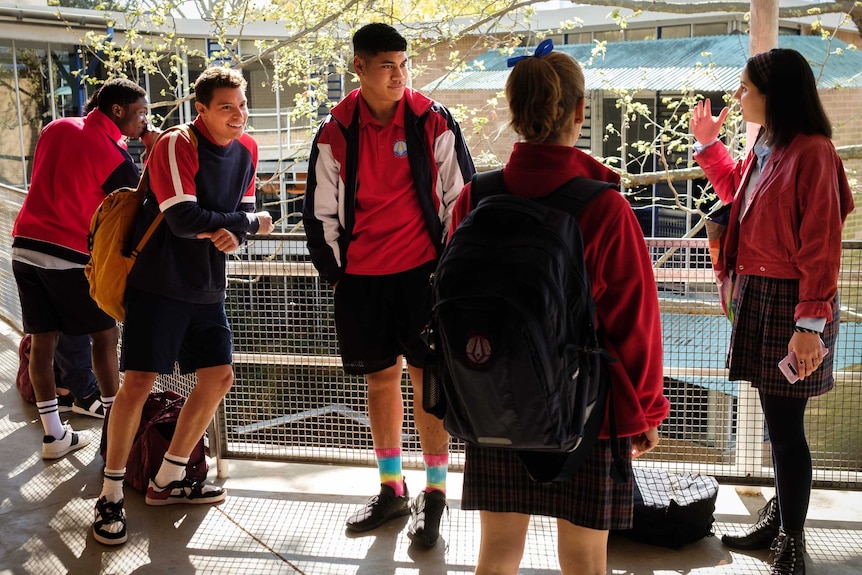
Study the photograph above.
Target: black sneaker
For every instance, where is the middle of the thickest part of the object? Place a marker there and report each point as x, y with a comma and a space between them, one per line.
90, 405
380, 509
106, 515
426, 511
64, 403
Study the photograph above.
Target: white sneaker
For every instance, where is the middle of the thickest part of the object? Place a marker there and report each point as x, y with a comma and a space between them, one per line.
53, 448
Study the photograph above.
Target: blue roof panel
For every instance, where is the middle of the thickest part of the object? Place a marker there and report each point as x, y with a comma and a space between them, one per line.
705, 63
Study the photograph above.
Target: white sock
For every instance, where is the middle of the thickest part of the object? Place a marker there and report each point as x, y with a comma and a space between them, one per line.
112, 491
107, 402
112, 484
51, 418
173, 468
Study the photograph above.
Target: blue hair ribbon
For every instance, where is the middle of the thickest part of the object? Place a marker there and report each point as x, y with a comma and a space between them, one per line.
544, 48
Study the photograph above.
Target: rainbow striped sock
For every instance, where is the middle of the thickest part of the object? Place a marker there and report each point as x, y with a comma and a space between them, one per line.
436, 468
389, 466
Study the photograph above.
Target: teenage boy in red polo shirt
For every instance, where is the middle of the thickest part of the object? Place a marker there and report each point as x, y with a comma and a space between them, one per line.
386, 167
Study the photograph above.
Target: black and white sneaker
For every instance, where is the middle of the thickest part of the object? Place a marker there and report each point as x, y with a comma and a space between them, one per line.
65, 403
184, 491
109, 526
90, 405
426, 510
379, 509
54, 448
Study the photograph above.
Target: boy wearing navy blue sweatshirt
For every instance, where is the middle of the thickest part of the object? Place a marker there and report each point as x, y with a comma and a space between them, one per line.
175, 297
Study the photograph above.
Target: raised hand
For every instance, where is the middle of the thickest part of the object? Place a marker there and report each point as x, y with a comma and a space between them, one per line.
704, 126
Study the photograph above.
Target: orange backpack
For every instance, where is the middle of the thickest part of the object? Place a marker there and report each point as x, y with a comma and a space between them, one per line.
112, 254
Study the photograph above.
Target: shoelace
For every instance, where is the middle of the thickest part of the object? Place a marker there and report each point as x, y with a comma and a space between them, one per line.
110, 512
763, 516
783, 555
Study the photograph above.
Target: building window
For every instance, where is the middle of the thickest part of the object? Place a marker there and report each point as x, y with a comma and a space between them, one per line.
610, 36
640, 34
710, 29
683, 31
577, 38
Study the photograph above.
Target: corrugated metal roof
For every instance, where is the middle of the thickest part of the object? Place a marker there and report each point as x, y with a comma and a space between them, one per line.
707, 63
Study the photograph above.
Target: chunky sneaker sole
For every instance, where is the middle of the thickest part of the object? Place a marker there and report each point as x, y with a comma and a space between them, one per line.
53, 448
107, 513
184, 491
380, 508
426, 510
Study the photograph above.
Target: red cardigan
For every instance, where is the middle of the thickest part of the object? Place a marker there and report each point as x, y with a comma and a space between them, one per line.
77, 162
792, 228
623, 283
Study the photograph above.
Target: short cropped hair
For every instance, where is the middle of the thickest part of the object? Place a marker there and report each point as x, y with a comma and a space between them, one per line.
375, 38
217, 77
543, 93
793, 105
120, 91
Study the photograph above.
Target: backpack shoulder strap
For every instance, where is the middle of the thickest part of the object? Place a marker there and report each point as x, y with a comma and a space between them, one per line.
486, 184
574, 195
144, 183
571, 197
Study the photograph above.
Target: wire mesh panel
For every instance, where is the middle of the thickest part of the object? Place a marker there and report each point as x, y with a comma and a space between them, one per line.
716, 425
11, 200
291, 400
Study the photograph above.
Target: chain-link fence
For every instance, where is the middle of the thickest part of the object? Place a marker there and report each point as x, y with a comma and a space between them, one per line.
292, 402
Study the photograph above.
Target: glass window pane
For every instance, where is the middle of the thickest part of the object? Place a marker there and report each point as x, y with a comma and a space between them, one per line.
711, 29
683, 31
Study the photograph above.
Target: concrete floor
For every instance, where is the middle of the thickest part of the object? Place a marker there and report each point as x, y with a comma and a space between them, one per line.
289, 519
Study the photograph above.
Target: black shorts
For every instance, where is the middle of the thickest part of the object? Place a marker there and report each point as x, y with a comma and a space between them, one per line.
160, 331
58, 300
379, 318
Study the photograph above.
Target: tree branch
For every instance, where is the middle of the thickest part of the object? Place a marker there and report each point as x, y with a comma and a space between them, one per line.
853, 152
743, 7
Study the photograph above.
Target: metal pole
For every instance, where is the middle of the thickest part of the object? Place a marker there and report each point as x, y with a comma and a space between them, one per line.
51, 82
763, 36
20, 116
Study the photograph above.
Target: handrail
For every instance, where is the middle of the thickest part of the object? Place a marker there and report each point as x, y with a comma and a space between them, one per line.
13, 189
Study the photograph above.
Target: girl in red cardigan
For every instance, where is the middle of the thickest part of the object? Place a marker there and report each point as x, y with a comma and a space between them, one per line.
790, 199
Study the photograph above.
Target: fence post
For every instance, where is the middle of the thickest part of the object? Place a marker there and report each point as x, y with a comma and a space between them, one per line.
749, 432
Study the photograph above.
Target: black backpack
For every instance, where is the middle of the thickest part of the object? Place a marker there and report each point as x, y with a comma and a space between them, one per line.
516, 360
672, 509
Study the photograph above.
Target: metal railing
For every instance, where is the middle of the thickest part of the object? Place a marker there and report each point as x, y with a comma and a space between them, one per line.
292, 402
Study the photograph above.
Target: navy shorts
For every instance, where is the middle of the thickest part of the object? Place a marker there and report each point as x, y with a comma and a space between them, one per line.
379, 318
160, 331
58, 300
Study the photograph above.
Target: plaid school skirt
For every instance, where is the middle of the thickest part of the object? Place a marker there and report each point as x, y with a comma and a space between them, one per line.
495, 480
761, 330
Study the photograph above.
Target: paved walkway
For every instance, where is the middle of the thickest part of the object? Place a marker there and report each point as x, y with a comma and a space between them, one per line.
289, 519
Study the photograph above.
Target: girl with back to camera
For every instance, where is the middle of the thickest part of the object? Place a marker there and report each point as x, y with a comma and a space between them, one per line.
790, 199
546, 102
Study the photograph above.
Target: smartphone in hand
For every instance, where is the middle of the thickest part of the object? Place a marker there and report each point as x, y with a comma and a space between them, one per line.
789, 366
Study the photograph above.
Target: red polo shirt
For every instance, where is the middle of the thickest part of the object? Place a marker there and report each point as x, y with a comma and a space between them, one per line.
389, 235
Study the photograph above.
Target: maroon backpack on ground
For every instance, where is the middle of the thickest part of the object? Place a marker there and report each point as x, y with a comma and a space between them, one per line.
157, 426
25, 386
